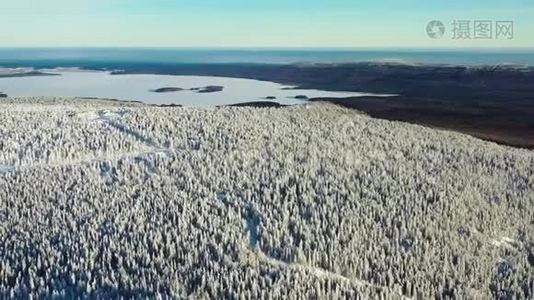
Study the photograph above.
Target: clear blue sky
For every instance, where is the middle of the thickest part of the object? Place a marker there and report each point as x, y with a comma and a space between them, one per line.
252, 23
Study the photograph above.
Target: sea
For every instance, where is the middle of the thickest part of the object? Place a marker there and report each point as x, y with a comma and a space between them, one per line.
72, 57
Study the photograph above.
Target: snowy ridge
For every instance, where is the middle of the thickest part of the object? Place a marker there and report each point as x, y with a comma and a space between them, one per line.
104, 199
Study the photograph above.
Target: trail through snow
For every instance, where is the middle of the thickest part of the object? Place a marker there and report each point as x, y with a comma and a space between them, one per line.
111, 119
253, 222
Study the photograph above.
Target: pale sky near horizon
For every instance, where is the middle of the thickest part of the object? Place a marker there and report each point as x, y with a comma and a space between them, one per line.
253, 23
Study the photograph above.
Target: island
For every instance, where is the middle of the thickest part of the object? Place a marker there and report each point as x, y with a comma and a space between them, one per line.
166, 105
257, 104
167, 90
2, 95
209, 89
205, 89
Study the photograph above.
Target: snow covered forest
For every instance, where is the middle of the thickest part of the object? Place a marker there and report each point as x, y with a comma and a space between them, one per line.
103, 199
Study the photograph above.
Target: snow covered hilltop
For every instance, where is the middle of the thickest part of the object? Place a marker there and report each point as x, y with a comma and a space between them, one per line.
103, 198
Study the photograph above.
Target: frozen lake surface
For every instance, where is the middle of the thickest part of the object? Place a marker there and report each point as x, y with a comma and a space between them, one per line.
72, 83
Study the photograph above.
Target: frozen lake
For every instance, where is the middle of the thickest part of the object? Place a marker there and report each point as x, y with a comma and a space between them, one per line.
76, 83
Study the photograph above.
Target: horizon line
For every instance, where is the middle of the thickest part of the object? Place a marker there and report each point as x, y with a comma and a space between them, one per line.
332, 48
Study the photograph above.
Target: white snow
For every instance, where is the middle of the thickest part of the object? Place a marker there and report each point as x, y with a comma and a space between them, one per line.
107, 199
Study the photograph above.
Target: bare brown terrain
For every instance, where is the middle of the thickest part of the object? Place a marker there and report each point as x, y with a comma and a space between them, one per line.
506, 123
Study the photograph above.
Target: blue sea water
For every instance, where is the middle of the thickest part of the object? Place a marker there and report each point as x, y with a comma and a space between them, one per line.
51, 57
